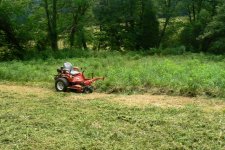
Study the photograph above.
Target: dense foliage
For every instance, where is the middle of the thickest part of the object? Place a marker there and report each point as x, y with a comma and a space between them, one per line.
34, 26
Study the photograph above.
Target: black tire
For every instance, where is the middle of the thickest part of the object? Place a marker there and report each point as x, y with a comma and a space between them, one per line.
61, 85
88, 90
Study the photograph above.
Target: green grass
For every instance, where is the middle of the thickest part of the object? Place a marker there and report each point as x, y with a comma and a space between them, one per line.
189, 74
59, 121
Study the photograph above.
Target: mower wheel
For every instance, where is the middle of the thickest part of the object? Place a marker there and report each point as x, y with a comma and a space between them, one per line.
88, 90
61, 85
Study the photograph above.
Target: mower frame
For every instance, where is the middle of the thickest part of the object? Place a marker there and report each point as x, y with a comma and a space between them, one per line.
64, 80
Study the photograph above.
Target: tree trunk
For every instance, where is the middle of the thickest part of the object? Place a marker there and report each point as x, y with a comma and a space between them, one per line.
199, 6
73, 29
77, 14
52, 24
189, 14
54, 27
100, 40
168, 17
164, 30
214, 5
72, 36
193, 11
84, 42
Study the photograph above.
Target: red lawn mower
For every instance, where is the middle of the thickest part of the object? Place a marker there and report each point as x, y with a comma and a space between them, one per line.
70, 77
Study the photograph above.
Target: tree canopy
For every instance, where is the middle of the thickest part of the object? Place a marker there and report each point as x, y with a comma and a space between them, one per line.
122, 25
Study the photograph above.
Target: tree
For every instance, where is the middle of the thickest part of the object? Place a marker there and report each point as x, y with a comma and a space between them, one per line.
148, 26
214, 34
166, 10
127, 24
109, 19
72, 21
9, 29
78, 10
51, 16
200, 12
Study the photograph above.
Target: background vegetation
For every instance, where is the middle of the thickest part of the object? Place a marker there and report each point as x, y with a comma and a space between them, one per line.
34, 26
188, 74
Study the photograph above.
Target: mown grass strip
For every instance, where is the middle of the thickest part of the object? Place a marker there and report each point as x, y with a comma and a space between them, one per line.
61, 121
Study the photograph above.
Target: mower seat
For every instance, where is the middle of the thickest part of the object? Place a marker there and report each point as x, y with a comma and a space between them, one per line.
73, 72
68, 66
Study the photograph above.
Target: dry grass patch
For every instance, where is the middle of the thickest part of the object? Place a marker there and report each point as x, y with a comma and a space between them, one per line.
163, 101
170, 101
26, 90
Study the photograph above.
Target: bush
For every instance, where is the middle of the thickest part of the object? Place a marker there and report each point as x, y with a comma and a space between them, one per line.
6, 54
189, 36
168, 51
217, 47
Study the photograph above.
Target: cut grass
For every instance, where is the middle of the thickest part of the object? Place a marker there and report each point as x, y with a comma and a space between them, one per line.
50, 120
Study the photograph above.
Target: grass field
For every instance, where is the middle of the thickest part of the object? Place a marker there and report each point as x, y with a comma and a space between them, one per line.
39, 118
188, 75
34, 116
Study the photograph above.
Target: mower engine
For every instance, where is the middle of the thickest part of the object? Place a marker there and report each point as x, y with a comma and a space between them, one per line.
70, 77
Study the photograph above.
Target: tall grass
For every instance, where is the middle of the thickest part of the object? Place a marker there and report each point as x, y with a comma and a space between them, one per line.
190, 75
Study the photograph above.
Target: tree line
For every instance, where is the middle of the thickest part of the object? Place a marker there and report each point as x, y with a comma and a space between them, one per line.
122, 25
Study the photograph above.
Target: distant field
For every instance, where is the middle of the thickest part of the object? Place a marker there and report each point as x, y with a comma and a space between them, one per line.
40, 118
188, 75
